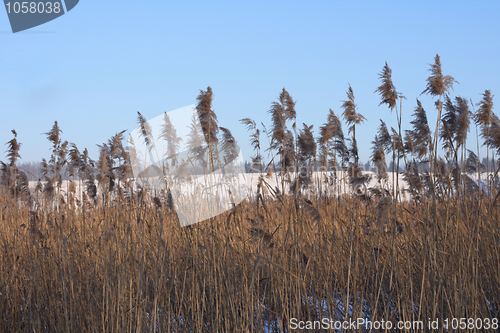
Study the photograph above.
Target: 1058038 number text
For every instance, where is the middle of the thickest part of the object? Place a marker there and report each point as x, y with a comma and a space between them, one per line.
26, 7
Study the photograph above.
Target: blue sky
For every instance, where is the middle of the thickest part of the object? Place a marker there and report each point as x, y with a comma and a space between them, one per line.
95, 67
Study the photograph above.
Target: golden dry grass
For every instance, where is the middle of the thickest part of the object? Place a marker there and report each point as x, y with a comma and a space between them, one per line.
128, 266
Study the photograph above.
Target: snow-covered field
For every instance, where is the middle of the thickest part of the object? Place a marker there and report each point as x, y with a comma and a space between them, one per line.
319, 180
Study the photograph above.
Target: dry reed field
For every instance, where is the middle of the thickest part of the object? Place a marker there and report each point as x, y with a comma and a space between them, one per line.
104, 255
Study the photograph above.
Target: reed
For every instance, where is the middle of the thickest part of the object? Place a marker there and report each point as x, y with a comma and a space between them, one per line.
107, 256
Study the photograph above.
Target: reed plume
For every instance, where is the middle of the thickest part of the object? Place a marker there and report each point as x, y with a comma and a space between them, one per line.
195, 142
387, 90
306, 144
389, 96
52, 169
324, 153
208, 118
438, 83
414, 180
472, 164
449, 124
169, 134
350, 114
352, 118
119, 162
306, 157
105, 176
455, 123
408, 143
483, 115
87, 169
420, 133
378, 158
381, 145
493, 140
115, 144
281, 138
113, 165
229, 148
463, 120
13, 147
208, 122
84, 167
384, 137
254, 142
146, 131
14, 180
74, 160
330, 136
397, 143
342, 149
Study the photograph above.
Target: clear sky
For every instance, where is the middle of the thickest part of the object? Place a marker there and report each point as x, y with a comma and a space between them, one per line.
94, 67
